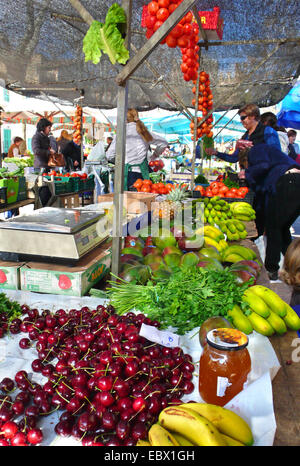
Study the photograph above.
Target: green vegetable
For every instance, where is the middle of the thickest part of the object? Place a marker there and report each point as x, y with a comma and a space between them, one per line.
107, 38
11, 308
184, 300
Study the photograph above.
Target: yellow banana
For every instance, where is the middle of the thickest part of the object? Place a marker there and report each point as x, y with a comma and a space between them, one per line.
231, 442
260, 325
271, 299
277, 323
161, 437
183, 441
256, 303
226, 421
232, 257
223, 244
211, 242
291, 318
239, 320
243, 218
196, 428
213, 232
243, 251
142, 443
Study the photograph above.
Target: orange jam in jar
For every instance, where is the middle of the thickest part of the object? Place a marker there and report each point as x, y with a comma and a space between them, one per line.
224, 365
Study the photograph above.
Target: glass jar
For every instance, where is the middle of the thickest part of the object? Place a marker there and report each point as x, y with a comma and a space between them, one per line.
224, 365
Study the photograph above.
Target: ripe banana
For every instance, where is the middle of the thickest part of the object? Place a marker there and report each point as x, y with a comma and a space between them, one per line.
232, 257
256, 303
226, 421
291, 318
211, 242
213, 232
223, 244
239, 320
271, 299
142, 443
260, 325
183, 441
277, 323
196, 428
161, 437
231, 442
244, 218
243, 251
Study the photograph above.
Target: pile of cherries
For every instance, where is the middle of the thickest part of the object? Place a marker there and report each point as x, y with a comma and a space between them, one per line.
184, 35
108, 383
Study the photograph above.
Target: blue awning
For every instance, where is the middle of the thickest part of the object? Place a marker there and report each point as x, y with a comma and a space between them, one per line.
289, 109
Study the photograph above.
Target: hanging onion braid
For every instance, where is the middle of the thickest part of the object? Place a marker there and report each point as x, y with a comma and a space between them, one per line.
133, 116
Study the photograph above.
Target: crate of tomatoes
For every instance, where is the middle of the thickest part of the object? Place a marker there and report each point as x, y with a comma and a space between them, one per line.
148, 186
229, 194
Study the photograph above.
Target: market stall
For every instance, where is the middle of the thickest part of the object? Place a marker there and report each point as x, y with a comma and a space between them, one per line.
120, 371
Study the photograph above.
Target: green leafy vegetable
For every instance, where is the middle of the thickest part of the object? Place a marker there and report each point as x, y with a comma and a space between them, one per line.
186, 299
107, 38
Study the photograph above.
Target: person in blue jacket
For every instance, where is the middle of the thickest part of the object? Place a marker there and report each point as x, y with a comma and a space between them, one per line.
275, 179
256, 133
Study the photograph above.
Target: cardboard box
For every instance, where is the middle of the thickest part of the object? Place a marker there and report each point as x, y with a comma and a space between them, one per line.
63, 280
134, 202
10, 275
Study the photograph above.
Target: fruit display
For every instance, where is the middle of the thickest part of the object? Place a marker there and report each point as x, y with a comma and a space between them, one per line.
77, 126
148, 186
264, 311
107, 382
172, 204
198, 424
220, 189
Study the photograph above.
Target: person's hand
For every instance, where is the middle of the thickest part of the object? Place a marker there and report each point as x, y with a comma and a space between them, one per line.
52, 151
242, 174
211, 151
76, 163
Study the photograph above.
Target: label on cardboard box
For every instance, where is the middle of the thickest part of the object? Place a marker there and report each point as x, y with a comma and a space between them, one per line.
60, 280
9, 277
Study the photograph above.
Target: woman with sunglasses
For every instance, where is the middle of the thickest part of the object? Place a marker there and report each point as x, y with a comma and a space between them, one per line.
256, 133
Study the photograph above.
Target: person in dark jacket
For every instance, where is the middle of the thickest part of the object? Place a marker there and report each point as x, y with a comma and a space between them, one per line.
41, 144
275, 177
72, 153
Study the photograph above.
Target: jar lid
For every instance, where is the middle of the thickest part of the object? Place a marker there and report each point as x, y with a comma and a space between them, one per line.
228, 339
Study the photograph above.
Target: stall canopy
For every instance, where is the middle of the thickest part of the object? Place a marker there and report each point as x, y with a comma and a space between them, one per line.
257, 61
289, 109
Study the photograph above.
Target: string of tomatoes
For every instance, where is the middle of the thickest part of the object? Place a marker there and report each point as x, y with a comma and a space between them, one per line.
184, 35
204, 104
77, 126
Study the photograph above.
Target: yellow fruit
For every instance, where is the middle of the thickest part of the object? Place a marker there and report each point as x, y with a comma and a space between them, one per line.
260, 325
161, 437
271, 299
256, 303
211, 242
242, 251
183, 441
231, 442
239, 320
196, 428
291, 318
143, 443
226, 421
277, 323
232, 257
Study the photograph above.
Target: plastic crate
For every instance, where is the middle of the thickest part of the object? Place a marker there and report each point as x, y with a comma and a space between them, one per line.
88, 184
63, 187
3, 197
76, 184
22, 193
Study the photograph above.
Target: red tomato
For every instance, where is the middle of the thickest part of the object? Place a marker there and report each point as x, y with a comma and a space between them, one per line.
150, 21
188, 29
145, 189
163, 3
157, 25
230, 194
153, 8
149, 32
182, 41
184, 67
172, 8
177, 31
215, 191
162, 14
208, 193
171, 41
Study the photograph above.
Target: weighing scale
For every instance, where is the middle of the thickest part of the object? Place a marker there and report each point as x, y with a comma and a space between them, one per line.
52, 234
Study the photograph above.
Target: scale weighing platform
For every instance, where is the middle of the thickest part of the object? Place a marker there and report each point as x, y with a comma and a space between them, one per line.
52, 234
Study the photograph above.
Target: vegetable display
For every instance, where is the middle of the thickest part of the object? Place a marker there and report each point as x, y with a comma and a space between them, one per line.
107, 38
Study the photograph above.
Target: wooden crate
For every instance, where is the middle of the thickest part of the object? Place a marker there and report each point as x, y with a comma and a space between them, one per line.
134, 202
69, 201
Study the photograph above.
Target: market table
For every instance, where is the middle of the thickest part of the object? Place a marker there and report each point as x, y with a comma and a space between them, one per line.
17, 205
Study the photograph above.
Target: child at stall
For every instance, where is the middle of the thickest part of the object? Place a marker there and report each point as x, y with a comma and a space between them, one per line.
290, 272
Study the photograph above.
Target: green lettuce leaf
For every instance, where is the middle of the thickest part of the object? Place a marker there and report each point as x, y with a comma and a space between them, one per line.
107, 38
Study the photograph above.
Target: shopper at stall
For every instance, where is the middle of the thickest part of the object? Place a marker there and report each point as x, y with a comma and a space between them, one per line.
41, 145
292, 134
138, 141
63, 140
269, 119
290, 272
97, 163
109, 140
72, 153
14, 150
256, 133
276, 179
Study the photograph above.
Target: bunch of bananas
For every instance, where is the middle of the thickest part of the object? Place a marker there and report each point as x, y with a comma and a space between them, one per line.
236, 252
215, 209
213, 236
233, 228
242, 211
263, 311
198, 424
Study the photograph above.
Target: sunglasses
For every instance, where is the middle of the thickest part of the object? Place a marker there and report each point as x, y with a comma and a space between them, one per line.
242, 118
